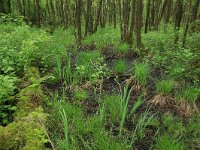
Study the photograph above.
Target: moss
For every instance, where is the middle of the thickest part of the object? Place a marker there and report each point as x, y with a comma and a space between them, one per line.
27, 132
8, 136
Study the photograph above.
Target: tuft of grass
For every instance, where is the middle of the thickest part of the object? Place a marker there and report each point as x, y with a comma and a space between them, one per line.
120, 66
189, 94
111, 104
164, 87
66, 128
124, 99
122, 48
165, 142
141, 73
80, 95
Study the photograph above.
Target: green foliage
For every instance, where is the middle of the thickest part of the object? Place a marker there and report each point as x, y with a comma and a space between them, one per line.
27, 132
193, 129
159, 41
91, 66
103, 37
165, 142
120, 67
141, 122
122, 48
11, 18
7, 89
189, 94
173, 125
141, 73
104, 141
112, 106
66, 128
164, 86
80, 95
20, 48
193, 42
124, 100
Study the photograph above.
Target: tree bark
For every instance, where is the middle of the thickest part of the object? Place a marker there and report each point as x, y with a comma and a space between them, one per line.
98, 15
194, 14
78, 20
132, 22
139, 11
178, 18
147, 17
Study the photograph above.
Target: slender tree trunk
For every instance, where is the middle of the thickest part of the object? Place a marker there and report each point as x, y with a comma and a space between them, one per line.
120, 18
98, 15
194, 14
139, 11
2, 7
8, 6
114, 14
88, 17
163, 10
38, 13
132, 22
53, 18
78, 20
20, 7
126, 16
153, 14
187, 24
147, 17
178, 18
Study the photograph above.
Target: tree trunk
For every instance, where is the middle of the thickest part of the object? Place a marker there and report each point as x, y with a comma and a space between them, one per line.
88, 17
147, 17
139, 11
187, 24
78, 20
114, 14
98, 15
178, 18
194, 15
132, 22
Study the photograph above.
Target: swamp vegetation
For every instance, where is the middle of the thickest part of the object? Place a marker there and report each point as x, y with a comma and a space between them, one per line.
99, 74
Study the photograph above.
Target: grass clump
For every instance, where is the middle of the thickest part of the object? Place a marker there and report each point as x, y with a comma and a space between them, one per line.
164, 87
165, 142
189, 94
80, 95
120, 66
141, 73
112, 106
122, 48
186, 100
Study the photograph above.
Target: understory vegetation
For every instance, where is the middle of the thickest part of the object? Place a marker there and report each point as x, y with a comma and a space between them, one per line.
99, 92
